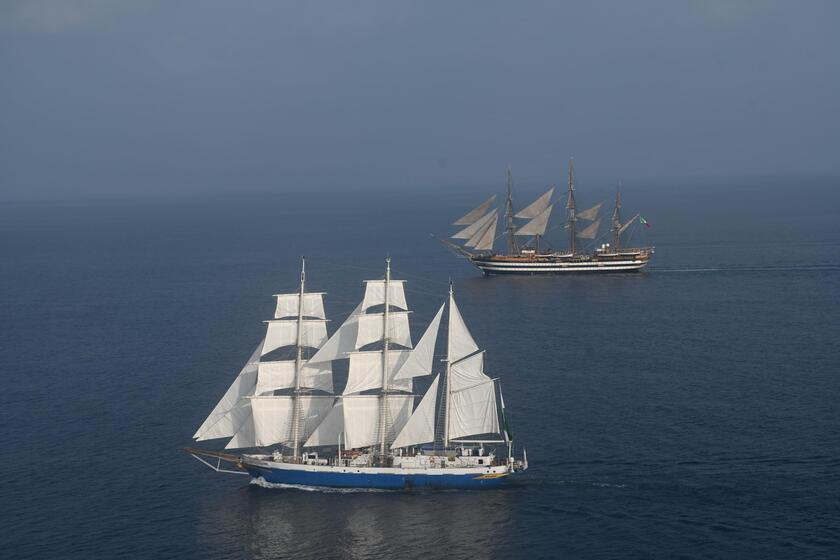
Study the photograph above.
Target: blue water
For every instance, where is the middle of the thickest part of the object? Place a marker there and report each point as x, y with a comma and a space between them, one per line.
690, 411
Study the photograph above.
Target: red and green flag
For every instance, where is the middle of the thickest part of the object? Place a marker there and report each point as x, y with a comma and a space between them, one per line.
643, 221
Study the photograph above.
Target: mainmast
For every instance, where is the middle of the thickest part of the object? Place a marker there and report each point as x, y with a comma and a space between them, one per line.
298, 358
570, 206
510, 227
616, 220
448, 394
383, 399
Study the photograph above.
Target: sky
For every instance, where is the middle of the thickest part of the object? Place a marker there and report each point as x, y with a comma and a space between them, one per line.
192, 97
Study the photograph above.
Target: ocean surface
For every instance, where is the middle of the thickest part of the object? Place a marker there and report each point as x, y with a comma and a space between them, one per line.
690, 411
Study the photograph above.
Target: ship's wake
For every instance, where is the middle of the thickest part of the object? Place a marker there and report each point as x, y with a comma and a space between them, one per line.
263, 483
736, 268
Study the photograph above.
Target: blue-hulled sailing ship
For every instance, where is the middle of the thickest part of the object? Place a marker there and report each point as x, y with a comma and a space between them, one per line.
291, 428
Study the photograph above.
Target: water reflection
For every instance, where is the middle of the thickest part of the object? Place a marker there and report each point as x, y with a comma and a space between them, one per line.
256, 522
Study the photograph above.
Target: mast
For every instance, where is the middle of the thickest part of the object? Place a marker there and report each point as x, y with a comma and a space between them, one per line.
570, 206
616, 220
510, 228
298, 357
383, 399
448, 393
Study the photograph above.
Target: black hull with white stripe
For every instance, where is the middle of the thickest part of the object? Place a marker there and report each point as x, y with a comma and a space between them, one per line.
524, 256
529, 265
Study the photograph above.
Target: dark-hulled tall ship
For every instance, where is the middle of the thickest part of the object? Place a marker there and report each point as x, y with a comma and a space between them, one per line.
479, 236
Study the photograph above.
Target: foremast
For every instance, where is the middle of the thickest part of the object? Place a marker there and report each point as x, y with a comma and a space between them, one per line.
510, 226
383, 398
296, 414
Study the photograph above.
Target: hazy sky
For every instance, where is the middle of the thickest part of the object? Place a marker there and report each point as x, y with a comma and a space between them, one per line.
186, 96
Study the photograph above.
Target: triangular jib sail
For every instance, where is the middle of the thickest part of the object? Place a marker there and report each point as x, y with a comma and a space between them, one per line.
475, 213
484, 238
477, 227
234, 408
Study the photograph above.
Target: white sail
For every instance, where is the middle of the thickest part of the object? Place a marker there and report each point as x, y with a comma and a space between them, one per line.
475, 213
273, 417
468, 372
371, 329
628, 224
361, 418
244, 435
281, 375
473, 411
317, 376
591, 232
341, 342
420, 427
461, 342
537, 207
287, 305
224, 421
280, 333
591, 213
327, 432
366, 371
375, 294
476, 227
480, 232
421, 359
275, 375
487, 237
537, 225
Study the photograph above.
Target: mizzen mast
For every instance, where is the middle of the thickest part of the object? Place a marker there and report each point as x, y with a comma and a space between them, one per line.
570, 206
616, 220
448, 375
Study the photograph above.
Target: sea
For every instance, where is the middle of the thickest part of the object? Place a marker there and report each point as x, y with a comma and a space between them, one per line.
688, 411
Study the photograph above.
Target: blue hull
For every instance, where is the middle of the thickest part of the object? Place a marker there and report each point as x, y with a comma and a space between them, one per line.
366, 480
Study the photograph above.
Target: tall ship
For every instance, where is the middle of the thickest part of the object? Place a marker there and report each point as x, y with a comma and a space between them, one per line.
283, 413
528, 257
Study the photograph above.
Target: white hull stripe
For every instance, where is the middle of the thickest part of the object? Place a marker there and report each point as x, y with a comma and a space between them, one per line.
555, 267
590, 264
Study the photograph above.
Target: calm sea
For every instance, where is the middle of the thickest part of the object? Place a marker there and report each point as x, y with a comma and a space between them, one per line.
690, 411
